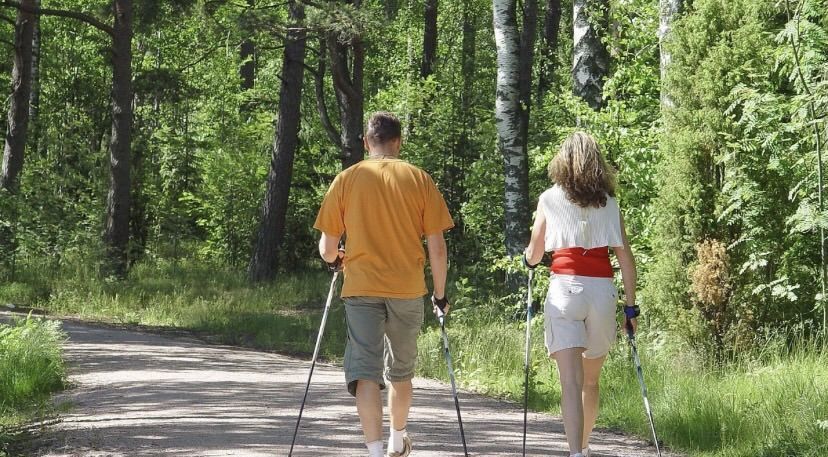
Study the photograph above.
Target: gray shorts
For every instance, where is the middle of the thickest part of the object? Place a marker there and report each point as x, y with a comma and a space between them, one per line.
381, 328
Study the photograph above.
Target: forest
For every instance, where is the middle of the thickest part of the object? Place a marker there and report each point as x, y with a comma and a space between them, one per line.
164, 162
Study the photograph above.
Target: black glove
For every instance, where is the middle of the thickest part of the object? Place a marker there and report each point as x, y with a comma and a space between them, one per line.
336, 265
440, 302
527, 264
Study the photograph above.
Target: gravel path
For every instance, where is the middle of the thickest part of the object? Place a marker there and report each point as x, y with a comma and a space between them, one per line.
141, 394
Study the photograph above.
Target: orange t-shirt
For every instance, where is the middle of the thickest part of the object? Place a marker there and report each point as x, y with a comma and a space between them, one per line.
385, 206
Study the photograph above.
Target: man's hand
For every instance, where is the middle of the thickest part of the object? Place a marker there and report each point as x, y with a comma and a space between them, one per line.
336, 266
441, 306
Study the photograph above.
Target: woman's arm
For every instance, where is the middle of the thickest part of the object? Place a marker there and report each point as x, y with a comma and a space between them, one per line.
535, 250
628, 272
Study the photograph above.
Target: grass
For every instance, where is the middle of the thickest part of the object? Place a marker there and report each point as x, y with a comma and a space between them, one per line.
31, 368
768, 404
773, 405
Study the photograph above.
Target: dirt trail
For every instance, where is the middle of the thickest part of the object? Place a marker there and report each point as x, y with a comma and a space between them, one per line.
140, 394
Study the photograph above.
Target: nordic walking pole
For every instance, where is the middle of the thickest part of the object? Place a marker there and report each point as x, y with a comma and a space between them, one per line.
526, 357
441, 316
640, 373
315, 356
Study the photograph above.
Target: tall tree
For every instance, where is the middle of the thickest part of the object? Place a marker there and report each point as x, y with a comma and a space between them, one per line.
591, 59
549, 47
429, 39
18, 119
116, 229
264, 261
248, 49
34, 100
515, 55
347, 58
668, 11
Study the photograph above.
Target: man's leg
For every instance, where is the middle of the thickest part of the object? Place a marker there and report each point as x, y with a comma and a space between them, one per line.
369, 407
405, 318
399, 402
365, 318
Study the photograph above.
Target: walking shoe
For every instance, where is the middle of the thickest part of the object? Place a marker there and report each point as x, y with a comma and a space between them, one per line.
406, 448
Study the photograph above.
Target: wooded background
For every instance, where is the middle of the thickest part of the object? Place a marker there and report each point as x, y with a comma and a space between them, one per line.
141, 131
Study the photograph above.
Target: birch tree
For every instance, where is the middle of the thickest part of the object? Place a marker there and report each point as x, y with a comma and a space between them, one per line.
515, 53
590, 56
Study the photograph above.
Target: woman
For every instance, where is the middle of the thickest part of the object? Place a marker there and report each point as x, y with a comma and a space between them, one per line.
578, 218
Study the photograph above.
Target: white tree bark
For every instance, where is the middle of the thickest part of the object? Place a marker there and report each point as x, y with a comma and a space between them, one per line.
668, 11
511, 140
590, 65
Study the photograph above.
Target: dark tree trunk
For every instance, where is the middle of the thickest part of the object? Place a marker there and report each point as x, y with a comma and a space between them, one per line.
248, 51
514, 85
465, 150
591, 59
391, 7
348, 85
264, 261
116, 232
429, 39
34, 100
549, 48
18, 119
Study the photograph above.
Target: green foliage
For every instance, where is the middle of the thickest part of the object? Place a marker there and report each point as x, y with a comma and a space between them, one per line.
737, 167
31, 365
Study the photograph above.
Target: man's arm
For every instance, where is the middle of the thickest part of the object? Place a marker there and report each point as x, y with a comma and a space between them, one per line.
329, 247
438, 258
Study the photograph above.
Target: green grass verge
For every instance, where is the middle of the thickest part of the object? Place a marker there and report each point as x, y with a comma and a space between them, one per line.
31, 368
771, 404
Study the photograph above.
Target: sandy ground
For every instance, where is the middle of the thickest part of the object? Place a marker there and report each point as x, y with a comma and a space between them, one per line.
141, 394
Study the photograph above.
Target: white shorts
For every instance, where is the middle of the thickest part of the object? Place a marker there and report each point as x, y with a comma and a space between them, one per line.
580, 313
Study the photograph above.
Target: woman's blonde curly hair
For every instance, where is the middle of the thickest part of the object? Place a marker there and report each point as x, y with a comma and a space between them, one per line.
582, 172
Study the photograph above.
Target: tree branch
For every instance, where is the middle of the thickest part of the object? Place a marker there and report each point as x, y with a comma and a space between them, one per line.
62, 13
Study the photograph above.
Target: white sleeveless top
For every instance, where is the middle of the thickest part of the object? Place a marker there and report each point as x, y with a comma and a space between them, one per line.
569, 225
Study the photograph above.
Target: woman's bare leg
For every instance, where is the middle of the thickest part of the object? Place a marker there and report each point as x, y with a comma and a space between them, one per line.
592, 375
571, 369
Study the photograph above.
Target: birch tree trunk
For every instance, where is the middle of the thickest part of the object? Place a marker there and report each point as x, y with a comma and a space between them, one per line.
668, 11
591, 60
514, 65
18, 118
264, 261
116, 232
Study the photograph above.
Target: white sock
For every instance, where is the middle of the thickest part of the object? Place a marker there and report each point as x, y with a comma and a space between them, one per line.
585, 451
576, 455
375, 449
395, 441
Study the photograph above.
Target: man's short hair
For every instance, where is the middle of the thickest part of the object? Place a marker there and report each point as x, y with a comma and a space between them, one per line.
383, 127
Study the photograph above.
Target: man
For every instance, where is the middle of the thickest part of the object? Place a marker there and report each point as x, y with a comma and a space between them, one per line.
386, 206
